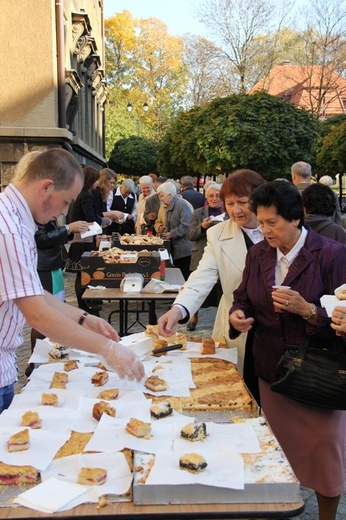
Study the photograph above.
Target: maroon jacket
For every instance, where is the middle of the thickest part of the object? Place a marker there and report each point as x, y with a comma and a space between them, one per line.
318, 269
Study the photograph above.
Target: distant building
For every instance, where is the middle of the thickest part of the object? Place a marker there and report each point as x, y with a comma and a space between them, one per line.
52, 81
302, 86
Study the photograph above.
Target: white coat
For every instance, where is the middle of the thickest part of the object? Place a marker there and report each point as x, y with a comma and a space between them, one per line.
224, 258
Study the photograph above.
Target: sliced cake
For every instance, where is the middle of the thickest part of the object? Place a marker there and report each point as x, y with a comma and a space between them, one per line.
92, 476
161, 410
19, 441
192, 462
139, 428
194, 432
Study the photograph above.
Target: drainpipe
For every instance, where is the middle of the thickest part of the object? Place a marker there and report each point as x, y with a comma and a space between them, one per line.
59, 27
103, 123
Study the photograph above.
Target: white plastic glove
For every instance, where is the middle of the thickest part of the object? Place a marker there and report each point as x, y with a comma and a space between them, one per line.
122, 360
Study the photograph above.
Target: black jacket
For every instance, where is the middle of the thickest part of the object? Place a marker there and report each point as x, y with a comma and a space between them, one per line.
194, 197
49, 238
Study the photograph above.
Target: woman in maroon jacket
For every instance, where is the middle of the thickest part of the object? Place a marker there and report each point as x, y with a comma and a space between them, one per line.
310, 265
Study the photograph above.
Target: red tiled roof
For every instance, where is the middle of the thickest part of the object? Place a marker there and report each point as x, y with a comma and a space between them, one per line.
301, 85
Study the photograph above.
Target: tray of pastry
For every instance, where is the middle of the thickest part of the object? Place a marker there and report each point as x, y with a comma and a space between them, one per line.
267, 475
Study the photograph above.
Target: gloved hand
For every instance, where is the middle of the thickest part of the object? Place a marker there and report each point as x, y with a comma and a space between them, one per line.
122, 360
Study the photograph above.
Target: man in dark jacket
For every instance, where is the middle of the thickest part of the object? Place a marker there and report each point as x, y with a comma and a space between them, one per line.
190, 194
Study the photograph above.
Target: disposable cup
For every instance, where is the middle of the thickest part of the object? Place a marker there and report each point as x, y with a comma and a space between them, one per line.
276, 288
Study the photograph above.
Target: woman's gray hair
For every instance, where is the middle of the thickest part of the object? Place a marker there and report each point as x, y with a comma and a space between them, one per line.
212, 185
129, 185
167, 188
146, 179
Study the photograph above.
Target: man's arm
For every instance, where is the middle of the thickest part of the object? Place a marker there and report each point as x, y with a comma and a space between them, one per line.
59, 322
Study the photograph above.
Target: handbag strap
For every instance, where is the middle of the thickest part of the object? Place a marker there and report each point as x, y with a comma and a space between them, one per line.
303, 348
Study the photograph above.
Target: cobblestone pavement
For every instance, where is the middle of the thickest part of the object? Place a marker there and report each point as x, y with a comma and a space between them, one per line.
204, 328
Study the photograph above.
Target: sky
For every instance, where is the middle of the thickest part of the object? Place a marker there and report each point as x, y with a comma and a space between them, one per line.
178, 15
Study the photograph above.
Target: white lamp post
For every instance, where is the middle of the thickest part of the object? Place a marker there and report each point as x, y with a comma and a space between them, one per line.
145, 108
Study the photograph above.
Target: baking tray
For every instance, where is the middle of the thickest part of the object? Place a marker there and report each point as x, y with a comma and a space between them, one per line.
10, 492
268, 476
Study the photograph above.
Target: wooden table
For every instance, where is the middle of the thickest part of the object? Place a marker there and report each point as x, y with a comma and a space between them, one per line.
128, 511
173, 276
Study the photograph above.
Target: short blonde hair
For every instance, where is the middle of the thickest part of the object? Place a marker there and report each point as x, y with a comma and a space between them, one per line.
20, 169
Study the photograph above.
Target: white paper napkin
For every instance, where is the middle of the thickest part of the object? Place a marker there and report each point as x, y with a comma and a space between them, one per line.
177, 379
329, 302
84, 421
224, 469
94, 229
28, 399
42, 449
159, 286
52, 419
78, 380
43, 347
50, 496
119, 476
111, 435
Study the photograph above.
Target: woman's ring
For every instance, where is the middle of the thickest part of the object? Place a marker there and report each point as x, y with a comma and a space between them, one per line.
286, 303
342, 316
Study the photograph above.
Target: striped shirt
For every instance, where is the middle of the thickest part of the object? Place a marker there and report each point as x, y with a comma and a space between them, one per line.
18, 275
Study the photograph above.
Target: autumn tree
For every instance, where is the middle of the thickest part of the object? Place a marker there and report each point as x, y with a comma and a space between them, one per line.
239, 30
257, 131
208, 75
144, 64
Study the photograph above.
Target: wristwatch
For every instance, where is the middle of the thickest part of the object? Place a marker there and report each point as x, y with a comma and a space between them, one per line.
312, 312
67, 229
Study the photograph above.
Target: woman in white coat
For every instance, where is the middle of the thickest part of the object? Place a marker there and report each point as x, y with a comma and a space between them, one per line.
224, 259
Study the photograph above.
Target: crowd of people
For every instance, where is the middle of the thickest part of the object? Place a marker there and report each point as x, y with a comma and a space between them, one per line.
232, 243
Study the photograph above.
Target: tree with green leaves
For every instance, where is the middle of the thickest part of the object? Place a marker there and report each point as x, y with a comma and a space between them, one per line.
135, 156
331, 147
257, 131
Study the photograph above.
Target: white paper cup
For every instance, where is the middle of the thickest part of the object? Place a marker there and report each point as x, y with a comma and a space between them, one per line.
276, 288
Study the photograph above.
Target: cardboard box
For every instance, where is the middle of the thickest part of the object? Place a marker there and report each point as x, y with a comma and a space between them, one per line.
95, 271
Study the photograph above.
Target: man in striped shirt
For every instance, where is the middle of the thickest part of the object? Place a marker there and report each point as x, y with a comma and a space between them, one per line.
43, 188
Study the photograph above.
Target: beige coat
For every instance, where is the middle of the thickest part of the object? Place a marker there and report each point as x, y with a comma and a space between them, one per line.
224, 257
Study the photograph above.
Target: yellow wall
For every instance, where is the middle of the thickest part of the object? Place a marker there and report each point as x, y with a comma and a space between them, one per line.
28, 64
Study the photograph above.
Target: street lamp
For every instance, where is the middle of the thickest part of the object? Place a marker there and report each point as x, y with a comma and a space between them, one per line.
145, 108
